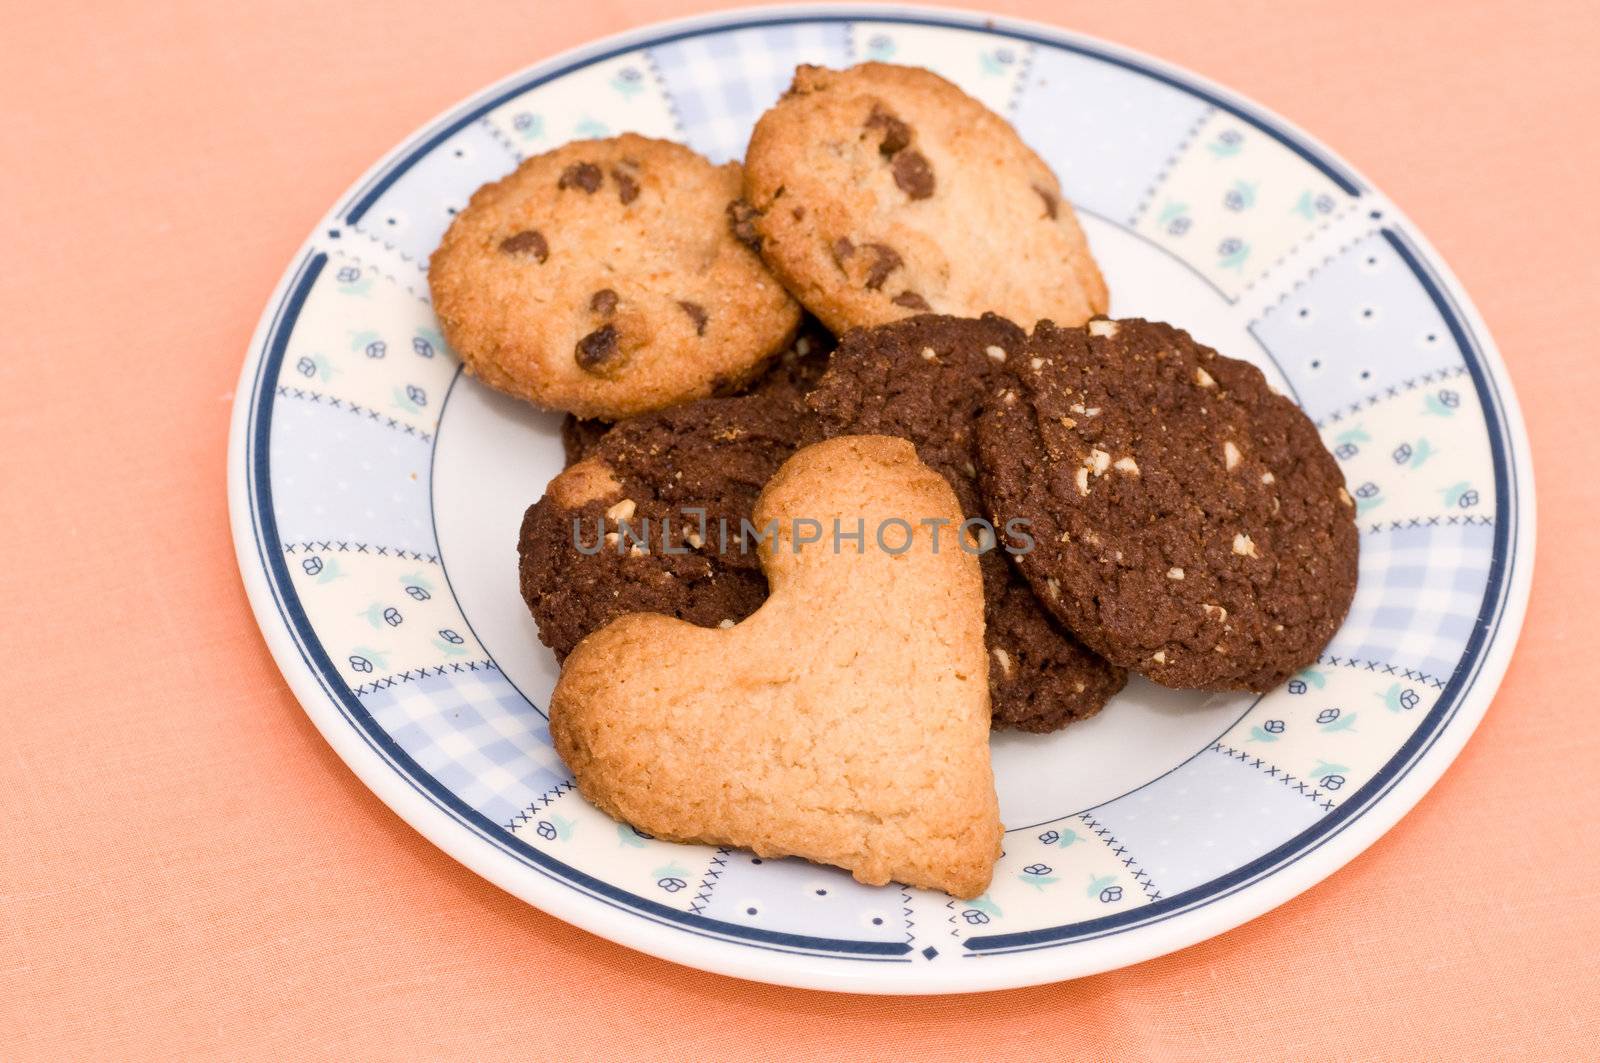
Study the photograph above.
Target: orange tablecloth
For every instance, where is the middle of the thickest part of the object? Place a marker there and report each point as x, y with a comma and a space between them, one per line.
186, 867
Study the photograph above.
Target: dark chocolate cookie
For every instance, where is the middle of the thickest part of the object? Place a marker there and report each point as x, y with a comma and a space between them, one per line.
794, 371
683, 479
1188, 522
579, 437
925, 379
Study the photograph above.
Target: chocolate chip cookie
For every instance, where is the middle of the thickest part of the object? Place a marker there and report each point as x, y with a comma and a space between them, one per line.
602, 278
1188, 522
682, 479
881, 191
925, 379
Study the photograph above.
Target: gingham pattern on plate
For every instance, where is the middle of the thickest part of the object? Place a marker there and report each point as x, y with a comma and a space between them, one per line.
1419, 596
474, 733
720, 84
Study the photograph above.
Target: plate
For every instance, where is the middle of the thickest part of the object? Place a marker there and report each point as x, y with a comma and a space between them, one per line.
375, 494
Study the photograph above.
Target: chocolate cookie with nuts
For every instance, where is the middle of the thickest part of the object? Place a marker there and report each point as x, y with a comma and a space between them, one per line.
681, 480
925, 379
1189, 524
602, 278
882, 191
793, 372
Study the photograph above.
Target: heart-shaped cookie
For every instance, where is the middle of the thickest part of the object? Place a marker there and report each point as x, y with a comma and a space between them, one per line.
846, 721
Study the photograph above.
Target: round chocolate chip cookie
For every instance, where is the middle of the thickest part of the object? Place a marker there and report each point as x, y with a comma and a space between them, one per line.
682, 479
794, 372
602, 278
881, 191
1188, 522
925, 379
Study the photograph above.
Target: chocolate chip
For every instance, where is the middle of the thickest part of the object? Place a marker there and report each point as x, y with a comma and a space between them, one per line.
697, 314
1050, 203
597, 349
527, 242
584, 175
896, 134
842, 249
797, 213
912, 301
603, 302
627, 187
885, 261
913, 174
742, 223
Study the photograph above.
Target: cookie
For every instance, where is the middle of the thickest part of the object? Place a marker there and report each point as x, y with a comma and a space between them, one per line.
796, 371
691, 473
601, 278
925, 379
579, 437
801, 364
881, 191
1188, 522
846, 721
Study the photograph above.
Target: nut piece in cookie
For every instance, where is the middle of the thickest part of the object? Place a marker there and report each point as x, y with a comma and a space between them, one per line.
846, 721
601, 278
926, 379
1189, 524
682, 479
881, 191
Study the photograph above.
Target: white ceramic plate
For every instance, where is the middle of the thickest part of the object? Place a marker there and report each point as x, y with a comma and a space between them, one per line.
376, 493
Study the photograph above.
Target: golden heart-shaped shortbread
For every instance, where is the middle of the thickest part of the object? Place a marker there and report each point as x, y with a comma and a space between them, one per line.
846, 721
